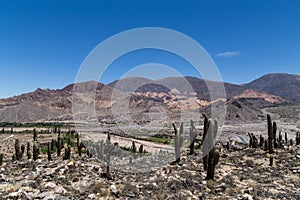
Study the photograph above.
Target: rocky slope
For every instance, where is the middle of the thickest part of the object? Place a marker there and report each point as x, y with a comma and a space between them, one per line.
286, 86
242, 173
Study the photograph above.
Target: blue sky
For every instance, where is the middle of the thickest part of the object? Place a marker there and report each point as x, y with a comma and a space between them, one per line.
43, 43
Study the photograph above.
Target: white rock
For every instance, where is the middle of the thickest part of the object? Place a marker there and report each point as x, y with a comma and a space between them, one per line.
114, 189
60, 190
50, 185
248, 196
92, 196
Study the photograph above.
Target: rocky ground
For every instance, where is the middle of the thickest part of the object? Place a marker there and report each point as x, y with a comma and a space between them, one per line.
242, 173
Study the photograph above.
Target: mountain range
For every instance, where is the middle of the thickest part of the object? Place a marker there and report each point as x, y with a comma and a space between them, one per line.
143, 96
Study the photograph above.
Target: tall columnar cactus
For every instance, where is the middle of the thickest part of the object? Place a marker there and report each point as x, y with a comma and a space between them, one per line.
69, 139
100, 150
213, 160
178, 141
270, 134
49, 151
1, 159
271, 161
28, 151
34, 135
274, 135
261, 140
22, 149
107, 152
250, 140
141, 149
266, 147
35, 151
133, 147
67, 153
18, 152
297, 138
52, 144
205, 129
286, 138
58, 145
210, 149
78, 144
193, 134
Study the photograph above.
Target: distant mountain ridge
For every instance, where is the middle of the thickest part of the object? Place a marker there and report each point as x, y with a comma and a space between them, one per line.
172, 93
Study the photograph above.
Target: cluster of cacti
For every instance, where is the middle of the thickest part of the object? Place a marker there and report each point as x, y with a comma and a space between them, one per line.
178, 141
193, 134
253, 141
209, 151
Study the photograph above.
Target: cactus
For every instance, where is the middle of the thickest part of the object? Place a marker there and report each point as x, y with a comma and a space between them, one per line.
100, 150
274, 134
67, 153
213, 154
1, 159
35, 151
49, 151
17, 150
297, 138
193, 135
250, 140
266, 147
291, 142
253, 142
271, 161
34, 135
286, 138
79, 146
141, 149
213, 160
228, 146
52, 144
12, 130
28, 151
22, 150
261, 140
178, 141
58, 145
107, 152
69, 140
205, 129
133, 147
270, 134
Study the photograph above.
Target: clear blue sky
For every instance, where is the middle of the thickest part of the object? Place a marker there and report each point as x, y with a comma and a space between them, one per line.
43, 43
